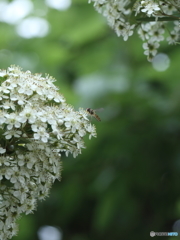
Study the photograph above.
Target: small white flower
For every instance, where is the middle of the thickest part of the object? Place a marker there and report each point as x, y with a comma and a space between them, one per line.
2, 119
4, 89
2, 150
28, 114
12, 120
21, 100
173, 38
150, 49
2, 73
92, 130
144, 31
128, 31
12, 133
41, 134
149, 7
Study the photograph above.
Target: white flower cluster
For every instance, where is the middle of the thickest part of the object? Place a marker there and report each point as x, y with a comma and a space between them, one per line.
36, 125
148, 17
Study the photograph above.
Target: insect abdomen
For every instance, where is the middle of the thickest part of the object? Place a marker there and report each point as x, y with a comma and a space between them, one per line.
97, 117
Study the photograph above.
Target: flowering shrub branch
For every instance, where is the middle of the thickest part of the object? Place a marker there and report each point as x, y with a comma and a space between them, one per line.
149, 18
36, 125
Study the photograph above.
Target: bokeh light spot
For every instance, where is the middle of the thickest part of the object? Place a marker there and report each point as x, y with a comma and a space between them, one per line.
59, 4
161, 62
33, 27
14, 11
49, 233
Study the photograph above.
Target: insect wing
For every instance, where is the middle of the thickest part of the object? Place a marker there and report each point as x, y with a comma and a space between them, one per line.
99, 109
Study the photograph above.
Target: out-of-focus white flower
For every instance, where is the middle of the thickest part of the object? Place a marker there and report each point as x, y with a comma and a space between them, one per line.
149, 7
150, 49
36, 126
126, 16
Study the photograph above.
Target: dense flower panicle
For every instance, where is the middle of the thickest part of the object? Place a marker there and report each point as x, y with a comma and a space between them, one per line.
149, 18
36, 125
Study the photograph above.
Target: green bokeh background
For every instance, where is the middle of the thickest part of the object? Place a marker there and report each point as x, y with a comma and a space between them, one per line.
126, 182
